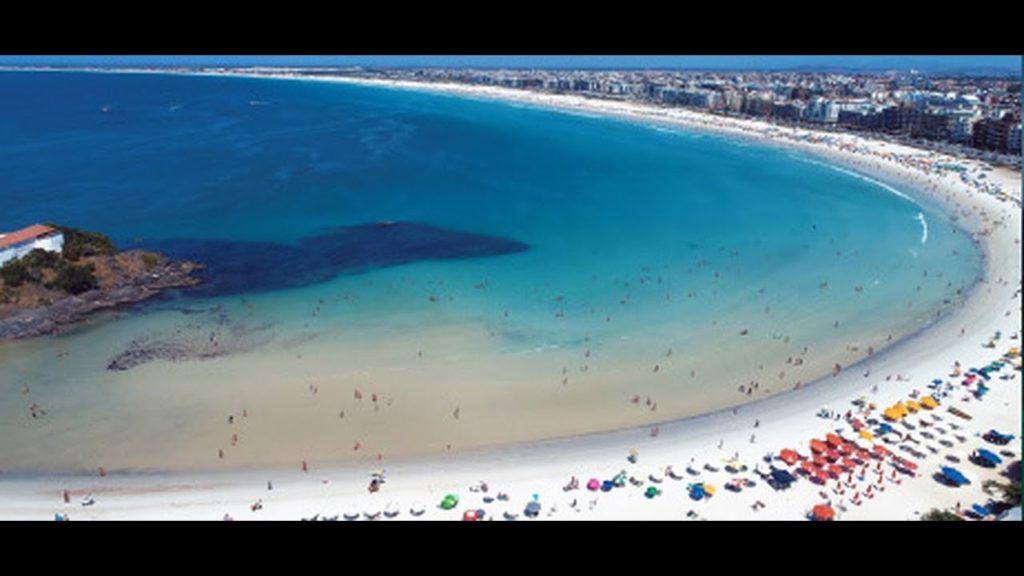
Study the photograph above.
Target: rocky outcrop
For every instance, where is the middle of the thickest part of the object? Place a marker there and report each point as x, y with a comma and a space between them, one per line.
123, 288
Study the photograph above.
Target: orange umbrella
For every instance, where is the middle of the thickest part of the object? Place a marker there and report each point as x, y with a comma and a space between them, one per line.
880, 450
836, 469
821, 475
808, 467
823, 512
832, 455
789, 456
818, 446
833, 439
846, 448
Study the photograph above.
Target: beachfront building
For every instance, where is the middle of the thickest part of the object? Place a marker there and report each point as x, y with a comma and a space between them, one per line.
21, 242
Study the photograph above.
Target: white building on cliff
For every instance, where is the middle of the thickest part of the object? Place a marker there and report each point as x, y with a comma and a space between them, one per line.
19, 243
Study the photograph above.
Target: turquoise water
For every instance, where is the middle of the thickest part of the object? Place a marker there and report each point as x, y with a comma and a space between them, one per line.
636, 240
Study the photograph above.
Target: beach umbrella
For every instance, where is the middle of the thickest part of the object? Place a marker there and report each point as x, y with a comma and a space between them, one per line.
709, 489
848, 463
913, 406
808, 466
651, 492
954, 476
857, 425
880, 451
818, 446
696, 491
594, 485
833, 439
989, 457
391, 510
906, 464
980, 510
821, 475
846, 449
450, 501
831, 455
929, 402
607, 486
417, 509
892, 413
371, 511
788, 456
823, 513
470, 516
865, 435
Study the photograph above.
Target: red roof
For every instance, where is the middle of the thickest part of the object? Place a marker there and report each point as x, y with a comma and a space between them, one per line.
32, 232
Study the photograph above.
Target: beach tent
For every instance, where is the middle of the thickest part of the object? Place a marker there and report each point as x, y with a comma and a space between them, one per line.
783, 478
532, 509
954, 476
989, 457
696, 491
823, 513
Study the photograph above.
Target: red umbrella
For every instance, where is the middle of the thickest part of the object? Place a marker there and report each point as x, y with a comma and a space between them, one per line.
820, 461
846, 449
857, 424
880, 450
904, 463
832, 455
821, 476
833, 439
818, 446
789, 456
850, 464
823, 512
808, 467
863, 455
836, 469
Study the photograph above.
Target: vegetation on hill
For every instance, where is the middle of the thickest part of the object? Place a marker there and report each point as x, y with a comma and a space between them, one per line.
79, 243
51, 270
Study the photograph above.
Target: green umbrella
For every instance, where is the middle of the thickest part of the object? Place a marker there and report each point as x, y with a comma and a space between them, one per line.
450, 501
651, 492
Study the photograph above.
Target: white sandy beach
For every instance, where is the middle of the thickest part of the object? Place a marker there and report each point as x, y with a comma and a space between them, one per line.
988, 208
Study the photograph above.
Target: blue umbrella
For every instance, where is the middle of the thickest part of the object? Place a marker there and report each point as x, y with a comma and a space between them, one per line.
980, 510
937, 381
954, 476
989, 457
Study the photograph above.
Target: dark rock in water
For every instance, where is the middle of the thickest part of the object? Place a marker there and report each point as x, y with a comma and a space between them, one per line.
237, 267
233, 339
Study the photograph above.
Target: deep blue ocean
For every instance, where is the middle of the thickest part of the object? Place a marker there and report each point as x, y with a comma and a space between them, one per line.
552, 230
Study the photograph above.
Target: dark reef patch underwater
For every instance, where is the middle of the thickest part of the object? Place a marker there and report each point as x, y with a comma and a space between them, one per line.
234, 267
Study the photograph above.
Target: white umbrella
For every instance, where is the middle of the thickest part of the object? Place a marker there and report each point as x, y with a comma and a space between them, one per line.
350, 515
372, 512
391, 510
417, 509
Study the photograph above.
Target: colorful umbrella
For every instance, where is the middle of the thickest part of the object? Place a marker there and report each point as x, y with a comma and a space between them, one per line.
822, 513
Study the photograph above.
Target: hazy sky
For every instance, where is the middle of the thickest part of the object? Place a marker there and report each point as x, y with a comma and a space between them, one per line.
960, 64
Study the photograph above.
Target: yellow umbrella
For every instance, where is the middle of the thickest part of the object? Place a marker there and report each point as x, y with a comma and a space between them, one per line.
929, 402
865, 434
901, 407
913, 406
892, 413
709, 489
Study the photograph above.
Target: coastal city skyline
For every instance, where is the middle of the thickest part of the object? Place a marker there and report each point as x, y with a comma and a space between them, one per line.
376, 288
971, 65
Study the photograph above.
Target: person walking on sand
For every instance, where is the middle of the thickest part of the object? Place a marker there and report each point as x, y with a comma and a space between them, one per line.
67, 497
270, 485
305, 467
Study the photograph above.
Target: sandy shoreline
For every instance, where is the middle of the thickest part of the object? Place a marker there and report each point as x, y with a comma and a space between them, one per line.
786, 420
